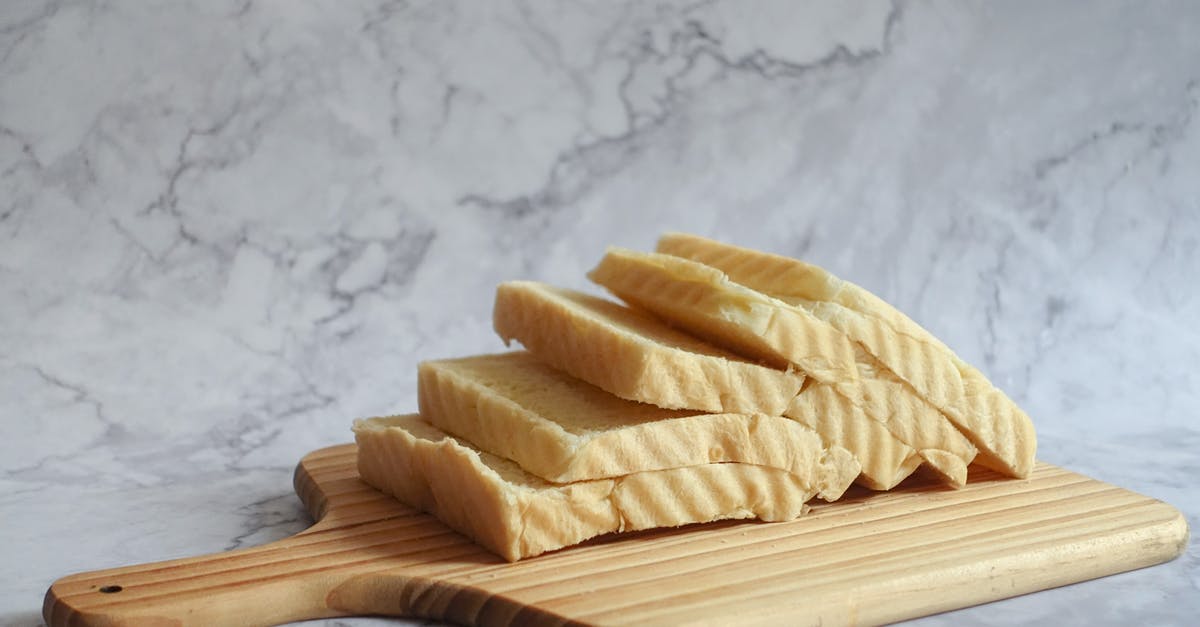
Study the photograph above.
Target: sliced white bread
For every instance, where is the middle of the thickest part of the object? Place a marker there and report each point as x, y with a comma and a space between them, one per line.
885, 460
634, 355
703, 301
516, 515
563, 429
1003, 433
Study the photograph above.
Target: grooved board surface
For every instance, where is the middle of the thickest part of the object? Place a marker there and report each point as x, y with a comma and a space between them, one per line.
869, 558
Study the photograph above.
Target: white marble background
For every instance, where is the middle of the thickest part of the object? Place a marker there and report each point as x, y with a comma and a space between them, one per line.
229, 228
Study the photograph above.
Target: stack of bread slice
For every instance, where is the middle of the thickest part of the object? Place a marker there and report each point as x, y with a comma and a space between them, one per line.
732, 384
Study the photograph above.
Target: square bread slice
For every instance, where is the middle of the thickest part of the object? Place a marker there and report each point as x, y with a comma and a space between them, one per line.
703, 301
1002, 432
516, 515
634, 355
564, 430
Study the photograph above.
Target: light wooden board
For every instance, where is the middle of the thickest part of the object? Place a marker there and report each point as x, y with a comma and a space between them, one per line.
869, 558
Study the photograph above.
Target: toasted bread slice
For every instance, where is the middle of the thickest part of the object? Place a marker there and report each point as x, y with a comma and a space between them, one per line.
1002, 432
563, 429
634, 355
702, 300
516, 515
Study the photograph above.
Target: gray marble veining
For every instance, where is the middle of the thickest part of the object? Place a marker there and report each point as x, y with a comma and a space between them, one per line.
228, 228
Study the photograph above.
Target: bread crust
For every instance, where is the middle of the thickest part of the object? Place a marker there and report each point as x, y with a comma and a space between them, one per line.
634, 355
563, 429
703, 301
1002, 432
517, 515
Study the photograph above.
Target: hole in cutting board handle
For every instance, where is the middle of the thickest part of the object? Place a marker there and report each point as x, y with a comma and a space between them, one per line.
111, 589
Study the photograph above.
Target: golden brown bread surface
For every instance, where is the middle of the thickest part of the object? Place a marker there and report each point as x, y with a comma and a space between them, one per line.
702, 300
882, 397
616, 419
634, 355
885, 460
1002, 432
516, 515
563, 429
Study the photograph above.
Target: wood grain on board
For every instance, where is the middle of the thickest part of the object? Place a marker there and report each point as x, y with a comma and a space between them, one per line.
866, 559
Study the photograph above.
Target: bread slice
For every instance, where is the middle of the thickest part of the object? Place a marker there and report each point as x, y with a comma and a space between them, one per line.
885, 460
1002, 432
634, 355
904, 416
702, 300
563, 429
516, 515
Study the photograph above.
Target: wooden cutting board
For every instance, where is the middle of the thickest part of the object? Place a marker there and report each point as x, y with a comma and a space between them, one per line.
869, 558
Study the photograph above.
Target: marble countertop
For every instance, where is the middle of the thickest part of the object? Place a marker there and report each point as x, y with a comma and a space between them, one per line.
229, 228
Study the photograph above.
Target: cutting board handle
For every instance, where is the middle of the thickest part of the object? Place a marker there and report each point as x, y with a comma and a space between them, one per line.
206, 590
367, 554
265, 585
